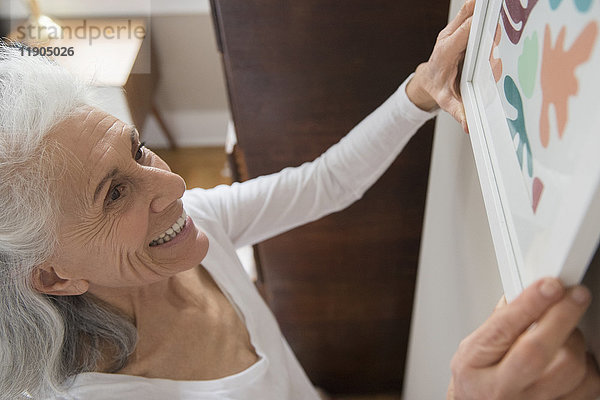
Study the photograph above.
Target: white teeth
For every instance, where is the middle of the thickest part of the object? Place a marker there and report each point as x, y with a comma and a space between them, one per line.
171, 232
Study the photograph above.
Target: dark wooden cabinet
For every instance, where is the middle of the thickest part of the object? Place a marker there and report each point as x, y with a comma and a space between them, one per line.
300, 75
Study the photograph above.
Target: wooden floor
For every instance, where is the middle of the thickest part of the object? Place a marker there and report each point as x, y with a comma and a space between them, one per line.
199, 166
206, 167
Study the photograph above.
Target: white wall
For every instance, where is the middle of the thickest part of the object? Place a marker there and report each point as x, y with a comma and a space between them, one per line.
107, 8
458, 283
191, 93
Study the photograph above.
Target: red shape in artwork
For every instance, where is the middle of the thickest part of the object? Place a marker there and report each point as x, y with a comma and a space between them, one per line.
538, 188
558, 79
496, 63
514, 14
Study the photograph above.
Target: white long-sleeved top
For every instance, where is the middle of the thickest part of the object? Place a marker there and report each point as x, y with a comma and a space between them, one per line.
252, 211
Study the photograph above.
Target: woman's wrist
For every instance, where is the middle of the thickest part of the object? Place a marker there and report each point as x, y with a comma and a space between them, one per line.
415, 90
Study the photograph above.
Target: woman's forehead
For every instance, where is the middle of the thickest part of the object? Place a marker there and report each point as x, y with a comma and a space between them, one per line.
94, 142
89, 132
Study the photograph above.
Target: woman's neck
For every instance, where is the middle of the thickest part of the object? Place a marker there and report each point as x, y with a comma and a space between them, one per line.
187, 329
144, 303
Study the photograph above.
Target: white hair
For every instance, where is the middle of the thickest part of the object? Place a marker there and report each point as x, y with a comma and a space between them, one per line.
44, 339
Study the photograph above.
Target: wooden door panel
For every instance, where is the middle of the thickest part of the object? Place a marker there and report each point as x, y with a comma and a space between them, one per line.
300, 75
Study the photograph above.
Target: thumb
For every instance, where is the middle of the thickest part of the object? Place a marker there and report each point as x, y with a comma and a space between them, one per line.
455, 108
490, 342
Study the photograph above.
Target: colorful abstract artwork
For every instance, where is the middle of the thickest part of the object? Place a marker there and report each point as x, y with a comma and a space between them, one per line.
538, 50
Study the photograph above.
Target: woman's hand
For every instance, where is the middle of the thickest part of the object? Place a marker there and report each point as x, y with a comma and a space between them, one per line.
529, 349
437, 82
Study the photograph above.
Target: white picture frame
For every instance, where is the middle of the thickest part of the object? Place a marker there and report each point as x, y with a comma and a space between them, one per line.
542, 202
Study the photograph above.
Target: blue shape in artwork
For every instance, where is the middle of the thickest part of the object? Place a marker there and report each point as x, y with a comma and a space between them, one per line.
517, 126
582, 5
555, 3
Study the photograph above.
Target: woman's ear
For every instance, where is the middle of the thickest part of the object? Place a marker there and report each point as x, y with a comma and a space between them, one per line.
47, 281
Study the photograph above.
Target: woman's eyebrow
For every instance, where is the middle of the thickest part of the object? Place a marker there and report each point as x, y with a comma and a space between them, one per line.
133, 135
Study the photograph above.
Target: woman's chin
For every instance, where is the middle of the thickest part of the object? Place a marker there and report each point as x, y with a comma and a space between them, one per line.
197, 250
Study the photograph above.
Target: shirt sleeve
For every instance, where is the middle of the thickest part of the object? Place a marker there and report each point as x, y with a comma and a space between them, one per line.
261, 208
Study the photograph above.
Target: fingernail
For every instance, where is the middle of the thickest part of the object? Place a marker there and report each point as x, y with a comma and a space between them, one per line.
465, 126
580, 294
550, 288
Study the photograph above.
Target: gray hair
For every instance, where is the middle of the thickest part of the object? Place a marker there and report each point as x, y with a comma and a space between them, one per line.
44, 340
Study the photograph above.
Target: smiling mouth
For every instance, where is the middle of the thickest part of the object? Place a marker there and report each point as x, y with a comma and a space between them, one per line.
170, 233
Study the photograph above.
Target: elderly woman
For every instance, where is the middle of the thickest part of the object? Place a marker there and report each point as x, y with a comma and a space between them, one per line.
117, 283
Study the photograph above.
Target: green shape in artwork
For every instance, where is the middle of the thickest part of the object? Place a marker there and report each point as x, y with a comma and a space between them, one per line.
527, 65
517, 126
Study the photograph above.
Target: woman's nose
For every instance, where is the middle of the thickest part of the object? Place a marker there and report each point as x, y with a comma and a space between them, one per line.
167, 187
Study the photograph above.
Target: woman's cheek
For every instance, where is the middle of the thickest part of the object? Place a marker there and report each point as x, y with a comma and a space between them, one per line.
133, 229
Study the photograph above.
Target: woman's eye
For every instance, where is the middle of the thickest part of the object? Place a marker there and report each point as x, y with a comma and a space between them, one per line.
115, 193
140, 152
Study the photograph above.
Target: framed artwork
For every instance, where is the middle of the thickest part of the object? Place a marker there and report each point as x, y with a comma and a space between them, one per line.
531, 89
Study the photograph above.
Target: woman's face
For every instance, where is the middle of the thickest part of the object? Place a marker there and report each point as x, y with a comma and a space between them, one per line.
117, 199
